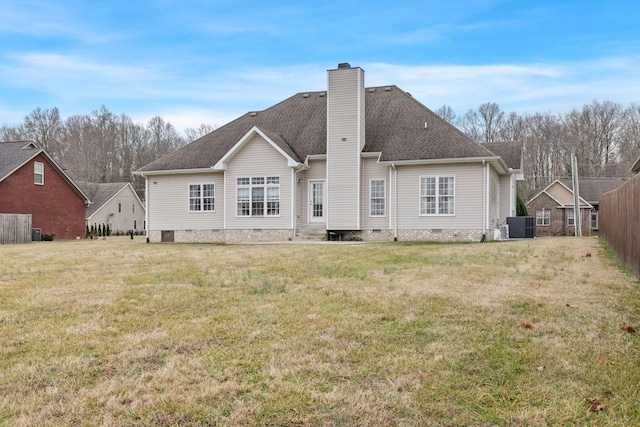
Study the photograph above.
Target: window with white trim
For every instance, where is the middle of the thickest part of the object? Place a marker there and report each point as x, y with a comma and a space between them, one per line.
543, 218
201, 197
437, 195
258, 196
571, 218
377, 203
38, 173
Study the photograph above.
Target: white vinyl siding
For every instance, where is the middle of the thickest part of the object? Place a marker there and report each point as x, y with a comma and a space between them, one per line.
167, 210
507, 198
469, 195
494, 197
123, 221
258, 160
345, 136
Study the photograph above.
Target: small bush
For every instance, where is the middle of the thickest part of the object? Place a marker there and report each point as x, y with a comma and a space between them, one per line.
48, 237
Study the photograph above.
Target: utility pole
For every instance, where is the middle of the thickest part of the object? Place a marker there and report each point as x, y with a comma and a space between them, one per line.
577, 217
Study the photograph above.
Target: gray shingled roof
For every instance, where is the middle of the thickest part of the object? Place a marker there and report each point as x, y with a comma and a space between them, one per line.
99, 193
510, 151
592, 189
395, 126
15, 154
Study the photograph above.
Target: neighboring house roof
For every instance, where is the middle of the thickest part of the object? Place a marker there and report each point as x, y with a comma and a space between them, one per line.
562, 195
591, 189
101, 193
15, 154
396, 126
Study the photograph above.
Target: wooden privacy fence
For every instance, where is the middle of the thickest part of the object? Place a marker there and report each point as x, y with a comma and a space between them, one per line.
619, 221
15, 228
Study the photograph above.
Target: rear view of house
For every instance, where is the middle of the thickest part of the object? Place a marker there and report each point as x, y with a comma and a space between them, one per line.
350, 162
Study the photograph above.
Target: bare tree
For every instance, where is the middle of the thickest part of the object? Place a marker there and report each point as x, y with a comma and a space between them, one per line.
513, 128
629, 144
13, 133
595, 133
544, 150
81, 159
163, 137
447, 113
470, 124
45, 128
105, 131
199, 132
490, 117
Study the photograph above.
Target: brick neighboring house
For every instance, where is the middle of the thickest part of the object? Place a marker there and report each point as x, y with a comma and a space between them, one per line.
554, 211
591, 190
31, 182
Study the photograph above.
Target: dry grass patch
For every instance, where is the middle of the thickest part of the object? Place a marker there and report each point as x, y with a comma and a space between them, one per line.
119, 332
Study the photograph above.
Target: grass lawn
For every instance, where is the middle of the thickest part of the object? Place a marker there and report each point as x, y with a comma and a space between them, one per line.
117, 332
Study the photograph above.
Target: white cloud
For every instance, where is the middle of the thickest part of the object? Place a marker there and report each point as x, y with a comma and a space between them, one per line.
538, 87
78, 84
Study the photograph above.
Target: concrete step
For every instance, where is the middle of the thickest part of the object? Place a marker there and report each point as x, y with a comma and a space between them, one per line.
311, 232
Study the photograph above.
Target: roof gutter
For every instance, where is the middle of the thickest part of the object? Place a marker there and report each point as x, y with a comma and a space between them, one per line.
495, 160
172, 172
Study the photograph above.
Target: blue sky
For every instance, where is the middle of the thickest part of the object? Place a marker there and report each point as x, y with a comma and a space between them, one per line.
194, 62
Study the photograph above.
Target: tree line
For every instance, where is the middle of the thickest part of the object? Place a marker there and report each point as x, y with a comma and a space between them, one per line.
105, 147
101, 146
604, 135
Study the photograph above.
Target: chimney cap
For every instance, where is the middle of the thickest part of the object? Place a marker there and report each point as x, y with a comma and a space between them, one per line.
344, 65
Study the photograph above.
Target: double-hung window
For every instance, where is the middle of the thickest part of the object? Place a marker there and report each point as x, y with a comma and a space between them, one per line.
571, 218
543, 218
38, 173
377, 204
201, 197
258, 196
437, 195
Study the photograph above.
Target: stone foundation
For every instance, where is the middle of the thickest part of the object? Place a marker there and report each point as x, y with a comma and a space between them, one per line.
265, 235
224, 236
444, 235
412, 235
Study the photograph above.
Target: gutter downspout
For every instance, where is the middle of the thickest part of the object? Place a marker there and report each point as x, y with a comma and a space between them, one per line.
146, 206
395, 201
485, 200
